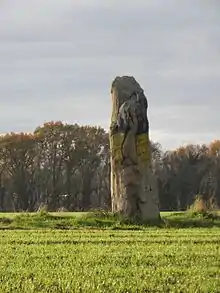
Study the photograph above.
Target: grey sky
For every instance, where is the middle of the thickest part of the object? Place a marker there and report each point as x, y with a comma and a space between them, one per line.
58, 58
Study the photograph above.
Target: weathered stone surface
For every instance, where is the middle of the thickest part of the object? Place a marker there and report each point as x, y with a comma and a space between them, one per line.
133, 185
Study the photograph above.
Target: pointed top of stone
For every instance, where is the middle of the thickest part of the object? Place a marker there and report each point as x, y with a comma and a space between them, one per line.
126, 84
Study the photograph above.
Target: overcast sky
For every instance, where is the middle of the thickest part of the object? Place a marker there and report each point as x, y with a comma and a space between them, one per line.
58, 59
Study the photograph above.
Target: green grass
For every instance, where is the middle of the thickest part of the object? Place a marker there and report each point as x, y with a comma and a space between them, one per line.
61, 214
151, 260
102, 220
101, 252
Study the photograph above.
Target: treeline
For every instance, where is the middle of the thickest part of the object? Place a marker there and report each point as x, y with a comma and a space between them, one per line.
67, 167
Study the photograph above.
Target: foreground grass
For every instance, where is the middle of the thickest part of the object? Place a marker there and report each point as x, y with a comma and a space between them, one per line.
153, 260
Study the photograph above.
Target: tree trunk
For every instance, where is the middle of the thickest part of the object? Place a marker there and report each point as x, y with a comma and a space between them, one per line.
134, 190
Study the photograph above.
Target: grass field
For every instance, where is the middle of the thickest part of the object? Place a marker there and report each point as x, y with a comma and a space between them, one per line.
100, 255
45, 220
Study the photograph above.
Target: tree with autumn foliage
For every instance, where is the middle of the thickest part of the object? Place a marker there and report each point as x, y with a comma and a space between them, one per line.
59, 165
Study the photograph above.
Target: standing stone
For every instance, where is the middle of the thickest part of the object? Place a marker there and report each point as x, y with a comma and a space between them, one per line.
134, 191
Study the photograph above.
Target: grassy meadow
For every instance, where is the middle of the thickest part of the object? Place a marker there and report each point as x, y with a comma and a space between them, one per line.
92, 252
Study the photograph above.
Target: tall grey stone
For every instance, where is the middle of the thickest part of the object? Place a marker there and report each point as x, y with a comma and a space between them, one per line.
133, 185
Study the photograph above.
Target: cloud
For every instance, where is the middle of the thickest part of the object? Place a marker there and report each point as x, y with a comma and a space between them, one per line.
58, 59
